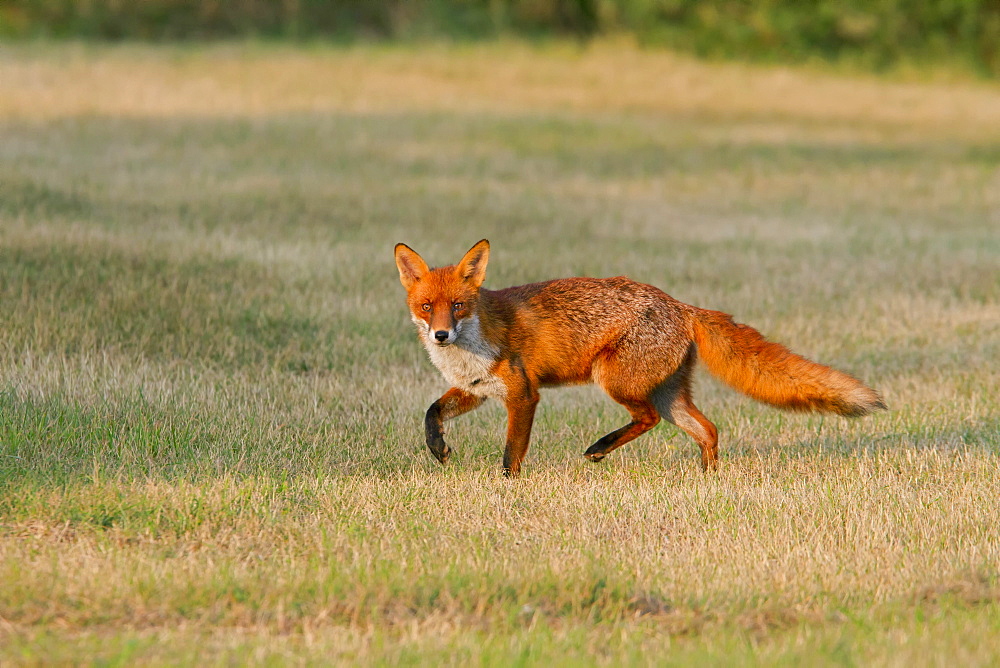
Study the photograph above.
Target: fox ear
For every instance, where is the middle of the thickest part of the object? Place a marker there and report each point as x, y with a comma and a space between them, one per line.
473, 266
411, 266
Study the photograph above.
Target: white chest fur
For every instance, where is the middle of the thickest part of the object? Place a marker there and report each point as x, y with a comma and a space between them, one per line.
468, 362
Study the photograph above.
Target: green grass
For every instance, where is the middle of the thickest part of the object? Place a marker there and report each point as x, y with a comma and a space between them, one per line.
211, 396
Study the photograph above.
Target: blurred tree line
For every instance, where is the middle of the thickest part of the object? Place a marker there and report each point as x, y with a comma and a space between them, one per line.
876, 33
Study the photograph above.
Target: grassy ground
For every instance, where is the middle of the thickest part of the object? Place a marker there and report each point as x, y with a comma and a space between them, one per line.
211, 395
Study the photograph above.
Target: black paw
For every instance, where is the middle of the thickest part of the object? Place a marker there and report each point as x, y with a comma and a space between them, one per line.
596, 452
439, 449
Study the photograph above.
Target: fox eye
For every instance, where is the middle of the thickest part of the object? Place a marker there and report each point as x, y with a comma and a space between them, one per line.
426, 307
458, 306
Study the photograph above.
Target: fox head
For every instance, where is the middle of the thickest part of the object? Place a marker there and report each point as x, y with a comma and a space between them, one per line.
442, 300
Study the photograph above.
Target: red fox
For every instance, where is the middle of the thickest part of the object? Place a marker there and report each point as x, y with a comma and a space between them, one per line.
635, 341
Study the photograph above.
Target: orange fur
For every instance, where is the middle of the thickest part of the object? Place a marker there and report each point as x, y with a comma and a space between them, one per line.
773, 374
635, 341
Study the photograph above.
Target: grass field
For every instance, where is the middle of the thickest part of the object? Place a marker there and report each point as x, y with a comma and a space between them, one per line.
211, 396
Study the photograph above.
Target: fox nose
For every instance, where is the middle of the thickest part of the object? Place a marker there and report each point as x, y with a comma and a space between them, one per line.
441, 335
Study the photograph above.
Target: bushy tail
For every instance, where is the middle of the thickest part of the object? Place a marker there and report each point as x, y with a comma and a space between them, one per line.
769, 372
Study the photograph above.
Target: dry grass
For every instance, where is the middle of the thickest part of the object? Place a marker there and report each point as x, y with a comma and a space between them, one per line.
608, 77
210, 397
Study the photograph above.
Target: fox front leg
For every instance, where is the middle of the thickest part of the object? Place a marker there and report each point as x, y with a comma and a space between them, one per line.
452, 403
521, 400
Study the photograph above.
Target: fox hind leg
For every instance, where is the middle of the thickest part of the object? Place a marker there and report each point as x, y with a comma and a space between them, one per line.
624, 373
673, 400
686, 415
644, 418
616, 376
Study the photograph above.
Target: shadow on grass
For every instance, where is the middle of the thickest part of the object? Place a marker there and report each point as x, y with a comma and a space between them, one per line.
53, 440
974, 436
68, 299
310, 176
282, 154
